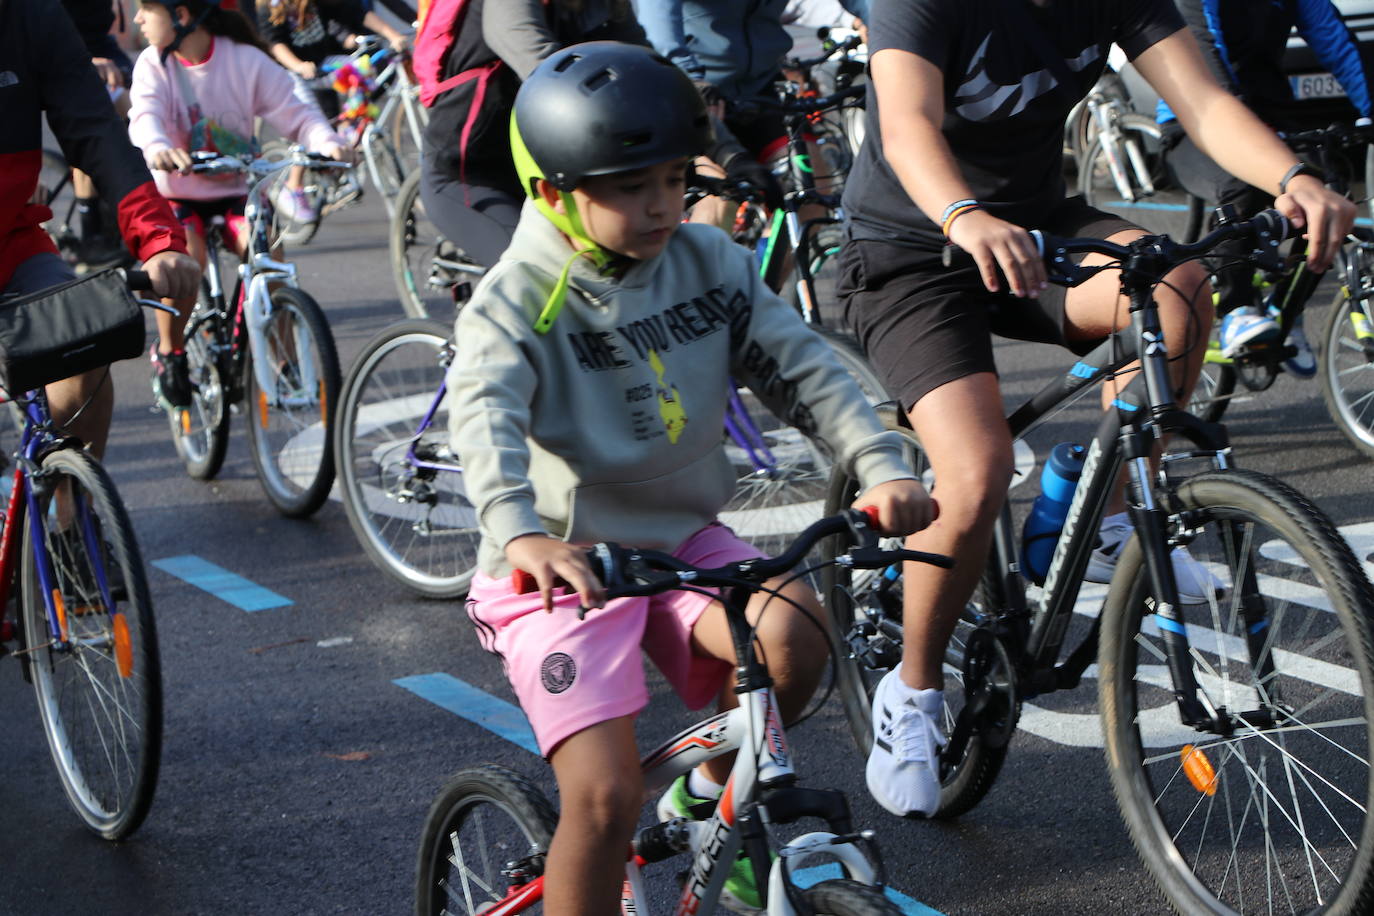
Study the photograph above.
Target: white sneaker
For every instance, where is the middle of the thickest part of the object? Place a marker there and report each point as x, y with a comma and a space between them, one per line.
904, 766
1245, 325
295, 206
1195, 582
1302, 363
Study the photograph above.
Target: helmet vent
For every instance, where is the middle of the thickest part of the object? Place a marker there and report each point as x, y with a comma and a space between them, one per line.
597, 80
568, 61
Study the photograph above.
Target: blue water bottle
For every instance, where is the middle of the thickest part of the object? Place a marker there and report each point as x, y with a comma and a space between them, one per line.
1046, 519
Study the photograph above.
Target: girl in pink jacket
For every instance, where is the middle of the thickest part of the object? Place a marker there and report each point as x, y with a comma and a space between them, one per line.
199, 86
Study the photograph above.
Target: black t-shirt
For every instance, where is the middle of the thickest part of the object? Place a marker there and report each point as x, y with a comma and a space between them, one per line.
1004, 112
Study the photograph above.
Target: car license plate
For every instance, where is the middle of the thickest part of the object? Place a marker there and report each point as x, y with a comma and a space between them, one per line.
1315, 86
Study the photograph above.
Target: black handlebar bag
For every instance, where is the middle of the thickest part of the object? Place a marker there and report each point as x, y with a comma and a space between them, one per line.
66, 330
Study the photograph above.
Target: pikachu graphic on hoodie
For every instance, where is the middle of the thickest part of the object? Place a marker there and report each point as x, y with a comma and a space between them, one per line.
669, 404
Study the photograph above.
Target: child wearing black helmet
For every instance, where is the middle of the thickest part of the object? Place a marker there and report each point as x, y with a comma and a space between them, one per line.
587, 404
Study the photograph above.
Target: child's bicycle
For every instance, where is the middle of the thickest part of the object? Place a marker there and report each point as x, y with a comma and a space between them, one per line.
1236, 696
484, 842
82, 625
266, 344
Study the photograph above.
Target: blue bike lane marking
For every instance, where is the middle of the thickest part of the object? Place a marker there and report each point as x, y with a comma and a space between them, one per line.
220, 582
507, 721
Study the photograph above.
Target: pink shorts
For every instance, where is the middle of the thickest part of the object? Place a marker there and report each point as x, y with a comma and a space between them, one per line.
570, 674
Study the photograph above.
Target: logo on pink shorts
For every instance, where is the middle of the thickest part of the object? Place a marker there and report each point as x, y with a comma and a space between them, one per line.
558, 672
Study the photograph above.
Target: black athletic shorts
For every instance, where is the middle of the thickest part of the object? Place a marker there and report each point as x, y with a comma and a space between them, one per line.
924, 325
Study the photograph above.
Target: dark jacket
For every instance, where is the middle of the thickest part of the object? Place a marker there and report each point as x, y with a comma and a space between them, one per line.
45, 69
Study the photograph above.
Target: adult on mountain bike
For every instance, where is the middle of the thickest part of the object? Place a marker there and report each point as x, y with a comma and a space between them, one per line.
42, 72
966, 116
1243, 44
571, 432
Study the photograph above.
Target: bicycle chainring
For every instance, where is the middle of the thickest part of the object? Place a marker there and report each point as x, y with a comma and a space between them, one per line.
990, 687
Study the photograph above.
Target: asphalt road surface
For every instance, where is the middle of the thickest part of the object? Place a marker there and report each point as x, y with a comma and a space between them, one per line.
296, 773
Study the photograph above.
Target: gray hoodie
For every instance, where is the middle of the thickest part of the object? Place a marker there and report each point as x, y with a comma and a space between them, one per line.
610, 426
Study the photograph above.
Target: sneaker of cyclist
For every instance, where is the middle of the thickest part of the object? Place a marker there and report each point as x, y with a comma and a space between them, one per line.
202, 59
558, 454
302, 35
38, 47
958, 150
1243, 44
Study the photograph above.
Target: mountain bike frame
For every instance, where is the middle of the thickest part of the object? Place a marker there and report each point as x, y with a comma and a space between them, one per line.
1027, 641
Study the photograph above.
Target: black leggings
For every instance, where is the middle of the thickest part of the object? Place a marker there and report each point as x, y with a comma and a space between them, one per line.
1195, 171
478, 219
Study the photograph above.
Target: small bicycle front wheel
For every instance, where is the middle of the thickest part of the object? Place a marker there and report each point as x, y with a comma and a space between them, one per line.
200, 431
413, 519
288, 413
1141, 173
485, 838
95, 667
383, 167
1216, 386
1347, 364
866, 611
1267, 811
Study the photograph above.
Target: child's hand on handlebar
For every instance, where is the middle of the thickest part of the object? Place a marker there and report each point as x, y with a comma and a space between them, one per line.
339, 151
172, 160
904, 506
549, 560
997, 244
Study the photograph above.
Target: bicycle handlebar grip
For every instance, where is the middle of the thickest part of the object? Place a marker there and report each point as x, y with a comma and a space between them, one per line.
138, 280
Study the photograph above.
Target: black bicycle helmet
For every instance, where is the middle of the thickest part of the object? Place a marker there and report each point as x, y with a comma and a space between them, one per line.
604, 107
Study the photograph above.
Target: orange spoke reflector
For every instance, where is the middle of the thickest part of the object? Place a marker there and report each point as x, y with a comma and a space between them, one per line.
324, 405
186, 422
123, 645
262, 408
61, 613
1198, 769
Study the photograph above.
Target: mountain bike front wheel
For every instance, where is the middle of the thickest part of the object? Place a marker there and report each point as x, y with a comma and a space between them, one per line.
486, 824
1268, 812
412, 518
288, 421
97, 677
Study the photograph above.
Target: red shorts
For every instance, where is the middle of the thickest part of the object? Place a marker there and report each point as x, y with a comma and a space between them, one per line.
570, 674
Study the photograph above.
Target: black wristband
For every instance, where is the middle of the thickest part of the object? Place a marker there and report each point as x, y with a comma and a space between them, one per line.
1302, 168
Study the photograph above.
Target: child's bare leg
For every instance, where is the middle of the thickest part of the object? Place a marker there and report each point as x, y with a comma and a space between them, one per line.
796, 651
602, 790
171, 329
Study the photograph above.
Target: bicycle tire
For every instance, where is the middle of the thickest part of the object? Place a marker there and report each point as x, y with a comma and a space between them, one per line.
771, 505
462, 802
842, 897
289, 428
1347, 376
415, 525
1216, 386
200, 432
100, 695
1298, 582
864, 610
425, 289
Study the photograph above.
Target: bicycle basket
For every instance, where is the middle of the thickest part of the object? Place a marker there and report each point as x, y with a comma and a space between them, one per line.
66, 330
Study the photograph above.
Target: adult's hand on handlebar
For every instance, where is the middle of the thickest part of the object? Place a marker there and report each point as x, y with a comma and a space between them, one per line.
548, 560
994, 243
904, 506
174, 275
1325, 215
172, 160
